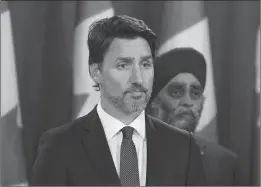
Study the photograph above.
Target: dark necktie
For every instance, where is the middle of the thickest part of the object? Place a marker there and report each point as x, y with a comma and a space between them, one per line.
129, 171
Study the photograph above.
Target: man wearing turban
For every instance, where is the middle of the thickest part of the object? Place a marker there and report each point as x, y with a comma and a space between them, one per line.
177, 99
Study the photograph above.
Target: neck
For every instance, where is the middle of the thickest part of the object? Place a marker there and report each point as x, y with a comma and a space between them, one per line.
117, 113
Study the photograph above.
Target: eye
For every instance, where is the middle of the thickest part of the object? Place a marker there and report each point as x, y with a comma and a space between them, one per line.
196, 94
176, 93
147, 64
122, 66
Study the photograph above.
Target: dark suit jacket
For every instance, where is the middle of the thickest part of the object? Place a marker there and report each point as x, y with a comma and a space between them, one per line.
220, 164
78, 154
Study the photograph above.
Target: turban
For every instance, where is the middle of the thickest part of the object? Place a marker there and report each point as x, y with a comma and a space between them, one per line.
179, 60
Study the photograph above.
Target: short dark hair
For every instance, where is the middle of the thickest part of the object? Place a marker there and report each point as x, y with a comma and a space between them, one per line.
102, 33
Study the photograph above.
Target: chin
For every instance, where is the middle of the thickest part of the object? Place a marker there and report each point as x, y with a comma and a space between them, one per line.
134, 108
132, 103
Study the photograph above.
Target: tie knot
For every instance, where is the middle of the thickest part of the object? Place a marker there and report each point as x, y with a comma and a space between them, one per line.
127, 132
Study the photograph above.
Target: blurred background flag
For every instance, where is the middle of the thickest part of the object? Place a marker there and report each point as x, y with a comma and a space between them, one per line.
184, 24
11, 152
85, 97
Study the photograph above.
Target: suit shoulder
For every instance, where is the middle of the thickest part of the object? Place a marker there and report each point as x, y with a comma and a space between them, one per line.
218, 149
226, 151
64, 132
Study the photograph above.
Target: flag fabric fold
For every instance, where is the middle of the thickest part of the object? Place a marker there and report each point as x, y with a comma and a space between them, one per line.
11, 152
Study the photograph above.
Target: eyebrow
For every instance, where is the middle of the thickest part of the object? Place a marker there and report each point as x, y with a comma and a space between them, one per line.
146, 57
125, 59
176, 84
130, 59
196, 86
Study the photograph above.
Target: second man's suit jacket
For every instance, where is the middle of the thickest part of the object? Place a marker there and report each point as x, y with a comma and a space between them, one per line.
219, 163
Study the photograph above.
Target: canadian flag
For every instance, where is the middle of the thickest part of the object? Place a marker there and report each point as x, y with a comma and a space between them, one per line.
185, 25
85, 96
11, 154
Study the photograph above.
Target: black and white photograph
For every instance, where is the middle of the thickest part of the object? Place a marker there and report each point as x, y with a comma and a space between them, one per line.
130, 93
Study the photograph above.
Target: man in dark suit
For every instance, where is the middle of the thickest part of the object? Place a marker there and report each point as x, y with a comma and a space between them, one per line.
117, 143
177, 99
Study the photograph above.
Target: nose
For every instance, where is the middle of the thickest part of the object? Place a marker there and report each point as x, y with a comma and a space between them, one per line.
136, 76
186, 101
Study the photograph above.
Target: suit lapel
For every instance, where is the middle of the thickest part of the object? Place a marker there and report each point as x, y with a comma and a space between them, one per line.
156, 158
95, 142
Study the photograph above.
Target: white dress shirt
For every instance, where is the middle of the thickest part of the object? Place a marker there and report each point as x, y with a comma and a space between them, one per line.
112, 128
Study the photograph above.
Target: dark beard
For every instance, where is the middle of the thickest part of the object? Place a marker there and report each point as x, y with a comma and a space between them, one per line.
183, 118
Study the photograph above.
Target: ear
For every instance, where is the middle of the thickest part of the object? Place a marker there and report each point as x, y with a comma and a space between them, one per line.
95, 73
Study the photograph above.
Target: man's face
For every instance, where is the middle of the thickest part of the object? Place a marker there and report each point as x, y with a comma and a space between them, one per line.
182, 101
126, 75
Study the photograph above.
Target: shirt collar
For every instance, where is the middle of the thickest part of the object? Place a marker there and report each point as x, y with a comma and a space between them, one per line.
112, 126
